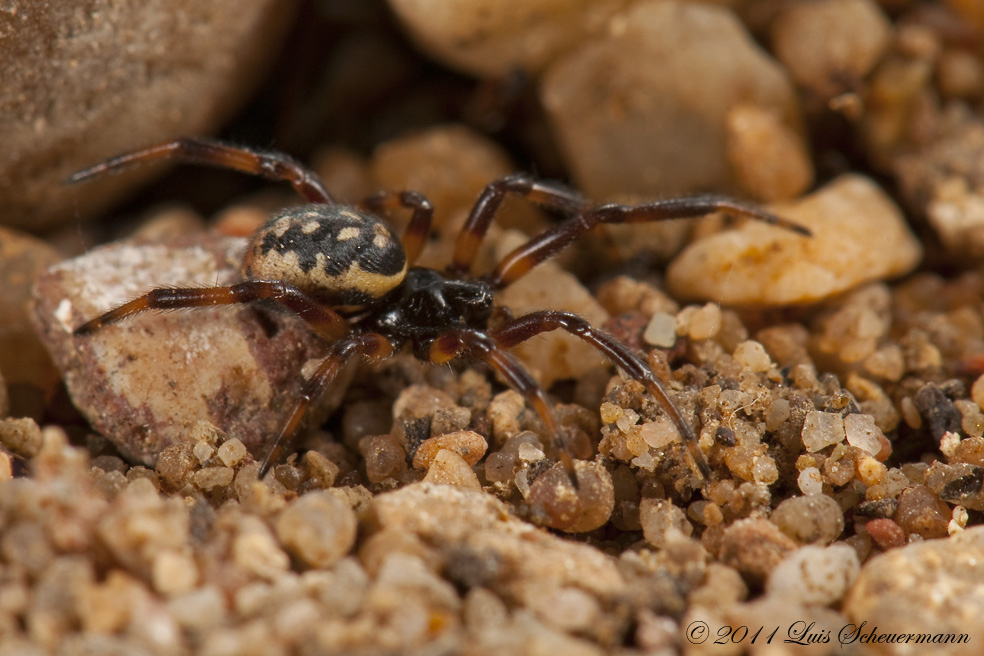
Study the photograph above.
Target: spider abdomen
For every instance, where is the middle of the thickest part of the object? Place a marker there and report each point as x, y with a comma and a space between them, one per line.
337, 254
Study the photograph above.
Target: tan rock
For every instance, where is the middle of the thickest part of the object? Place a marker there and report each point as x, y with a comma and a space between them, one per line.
643, 109
147, 382
82, 83
493, 37
859, 235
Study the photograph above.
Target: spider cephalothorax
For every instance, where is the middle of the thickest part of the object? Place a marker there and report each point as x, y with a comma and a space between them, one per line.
344, 272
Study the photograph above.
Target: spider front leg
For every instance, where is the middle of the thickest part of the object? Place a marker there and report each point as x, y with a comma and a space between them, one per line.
530, 325
270, 165
488, 203
370, 346
550, 242
325, 321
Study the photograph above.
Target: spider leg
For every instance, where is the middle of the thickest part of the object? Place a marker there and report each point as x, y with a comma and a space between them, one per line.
325, 321
482, 213
370, 346
270, 165
415, 235
527, 326
548, 243
479, 345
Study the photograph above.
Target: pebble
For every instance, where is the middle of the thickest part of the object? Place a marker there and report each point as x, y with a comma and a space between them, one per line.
815, 576
20, 436
449, 468
450, 165
830, 46
822, 429
815, 519
755, 547
318, 529
493, 38
886, 533
762, 265
943, 181
139, 526
861, 432
810, 481
769, 159
469, 445
752, 356
88, 97
174, 572
660, 519
556, 355
255, 549
926, 587
385, 457
959, 483
921, 512
147, 382
628, 127
554, 502
661, 330
457, 518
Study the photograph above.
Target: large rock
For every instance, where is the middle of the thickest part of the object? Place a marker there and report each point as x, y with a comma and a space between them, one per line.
86, 80
147, 383
644, 108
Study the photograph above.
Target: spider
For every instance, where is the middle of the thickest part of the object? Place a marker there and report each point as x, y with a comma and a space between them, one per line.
342, 270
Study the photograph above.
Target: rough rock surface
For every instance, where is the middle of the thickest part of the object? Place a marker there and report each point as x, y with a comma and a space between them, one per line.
87, 80
931, 587
640, 124
146, 383
494, 37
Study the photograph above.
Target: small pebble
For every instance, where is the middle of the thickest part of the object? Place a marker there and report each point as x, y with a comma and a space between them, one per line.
555, 502
769, 158
810, 481
816, 519
922, 512
661, 330
555, 355
755, 547
232, 452
174, 573
660, 518
255, 550
830, 45
822, 429
468, 444
318, 528
491, 39
815, 576
208, 478
861, 432
449, 468
20, 436
752, 355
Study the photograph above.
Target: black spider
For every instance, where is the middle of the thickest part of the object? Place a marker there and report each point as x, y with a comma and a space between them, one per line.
342, 270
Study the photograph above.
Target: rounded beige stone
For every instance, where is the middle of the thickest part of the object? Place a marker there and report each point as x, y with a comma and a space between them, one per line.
859, 235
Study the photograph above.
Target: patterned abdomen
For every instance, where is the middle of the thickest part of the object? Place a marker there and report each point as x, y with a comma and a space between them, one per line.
337, 254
